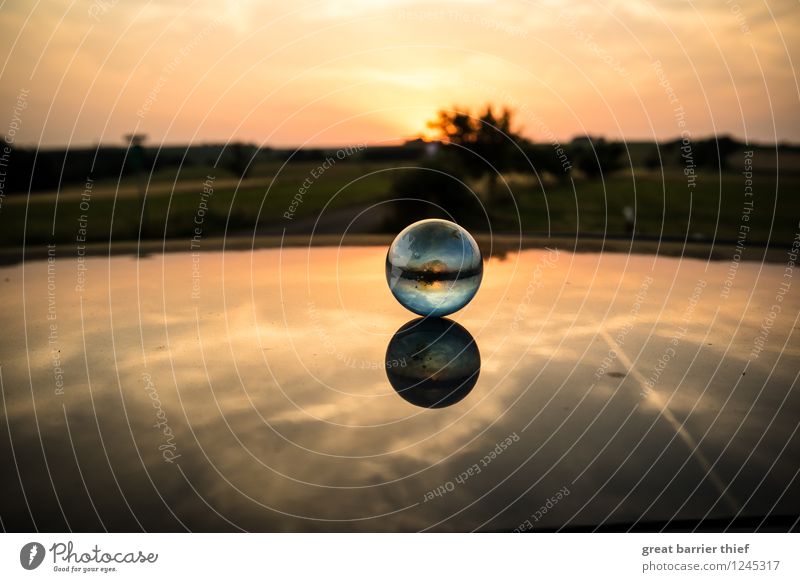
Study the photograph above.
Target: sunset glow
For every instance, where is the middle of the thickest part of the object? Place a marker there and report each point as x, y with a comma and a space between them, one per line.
280, 74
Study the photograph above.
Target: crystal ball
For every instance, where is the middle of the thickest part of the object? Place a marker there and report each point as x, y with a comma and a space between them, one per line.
434, 267
432, 362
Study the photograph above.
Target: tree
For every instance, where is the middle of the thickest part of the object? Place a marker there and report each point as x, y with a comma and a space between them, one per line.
239, 160
713, 153
486, 144
597, 157
546, 159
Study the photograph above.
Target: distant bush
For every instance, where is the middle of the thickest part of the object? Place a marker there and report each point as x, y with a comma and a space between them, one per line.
595, 157
434, 192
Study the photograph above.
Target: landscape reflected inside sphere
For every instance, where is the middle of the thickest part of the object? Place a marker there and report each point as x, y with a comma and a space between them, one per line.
434, 267
432, 362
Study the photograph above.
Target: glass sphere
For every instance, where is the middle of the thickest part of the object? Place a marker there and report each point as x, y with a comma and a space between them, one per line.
432, 362
434, 267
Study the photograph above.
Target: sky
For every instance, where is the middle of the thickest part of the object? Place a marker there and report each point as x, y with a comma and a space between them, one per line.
375, 71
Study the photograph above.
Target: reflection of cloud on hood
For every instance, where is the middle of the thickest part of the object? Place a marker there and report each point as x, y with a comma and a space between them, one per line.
254, 428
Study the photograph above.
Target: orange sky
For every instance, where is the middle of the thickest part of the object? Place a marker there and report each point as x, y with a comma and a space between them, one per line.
292, 73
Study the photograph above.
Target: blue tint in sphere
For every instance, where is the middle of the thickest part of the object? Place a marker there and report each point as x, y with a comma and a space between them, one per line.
434, 267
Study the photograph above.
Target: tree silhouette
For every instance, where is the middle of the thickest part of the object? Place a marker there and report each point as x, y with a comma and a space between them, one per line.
596, 157
239, 160
713, 153
485, 143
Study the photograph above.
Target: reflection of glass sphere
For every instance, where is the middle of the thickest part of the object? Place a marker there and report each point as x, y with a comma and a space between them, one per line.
433, 362
434, 267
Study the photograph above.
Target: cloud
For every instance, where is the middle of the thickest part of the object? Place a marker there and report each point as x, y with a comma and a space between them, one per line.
90, 75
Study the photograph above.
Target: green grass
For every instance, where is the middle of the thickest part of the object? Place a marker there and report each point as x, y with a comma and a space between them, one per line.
115, 216
663, 209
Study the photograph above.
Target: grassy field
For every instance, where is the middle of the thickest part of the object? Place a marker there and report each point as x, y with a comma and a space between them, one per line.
665, 206
171, 209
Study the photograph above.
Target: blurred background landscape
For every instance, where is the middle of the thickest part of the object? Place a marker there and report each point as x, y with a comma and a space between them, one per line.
496, 181
632, 121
